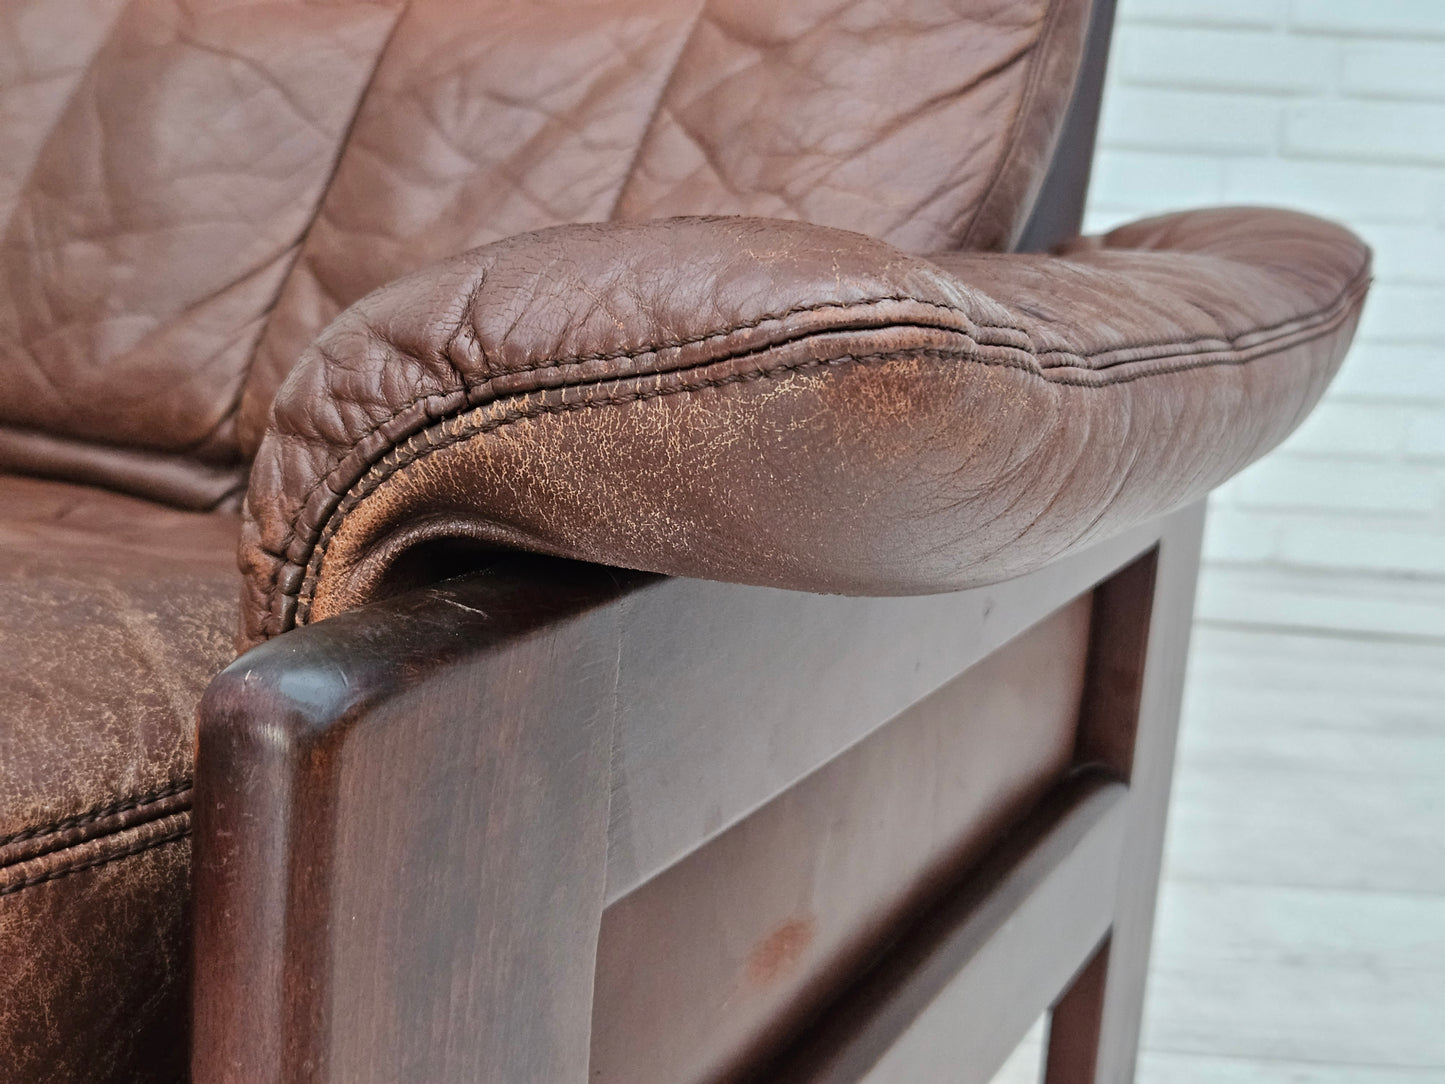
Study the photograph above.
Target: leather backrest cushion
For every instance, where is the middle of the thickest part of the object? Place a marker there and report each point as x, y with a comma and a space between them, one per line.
926, 123
190, 190
161, 162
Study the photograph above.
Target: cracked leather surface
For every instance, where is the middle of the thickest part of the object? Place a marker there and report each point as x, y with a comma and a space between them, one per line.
115, 619
117, 612
785, 404
96, 944
190, 190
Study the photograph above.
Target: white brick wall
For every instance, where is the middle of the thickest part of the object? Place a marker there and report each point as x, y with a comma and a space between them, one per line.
1335, 107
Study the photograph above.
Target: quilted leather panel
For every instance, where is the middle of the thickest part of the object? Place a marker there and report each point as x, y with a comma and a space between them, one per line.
168, 225
168, 228
774, 403
168, 158
482, 121
926, 122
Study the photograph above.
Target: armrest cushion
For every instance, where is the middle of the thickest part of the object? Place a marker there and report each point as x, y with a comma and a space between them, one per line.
777, 403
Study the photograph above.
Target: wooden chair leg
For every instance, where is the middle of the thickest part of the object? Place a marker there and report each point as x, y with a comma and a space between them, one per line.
1129, 725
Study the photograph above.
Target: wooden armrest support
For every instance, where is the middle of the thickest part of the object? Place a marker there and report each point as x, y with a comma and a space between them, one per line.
413, 790
410, 818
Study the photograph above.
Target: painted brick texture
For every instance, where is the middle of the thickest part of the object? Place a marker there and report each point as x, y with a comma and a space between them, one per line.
1335, 107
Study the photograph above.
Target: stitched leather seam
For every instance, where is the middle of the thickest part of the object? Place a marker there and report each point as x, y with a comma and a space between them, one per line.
404, 455
1264, 337
273, 587
99, 813
652, 348
407, 453
667, 344
1026, 99
1329, 316
139, 847
1344, 298
751, 325
343, 145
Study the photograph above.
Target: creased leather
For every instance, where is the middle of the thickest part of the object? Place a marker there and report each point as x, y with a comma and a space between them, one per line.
516, 117
928, 123
190, 192
117, 612
160, 162
97, 960
851, 93
171, 478
785, 404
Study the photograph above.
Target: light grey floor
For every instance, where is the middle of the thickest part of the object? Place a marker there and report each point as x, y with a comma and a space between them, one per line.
1301, 933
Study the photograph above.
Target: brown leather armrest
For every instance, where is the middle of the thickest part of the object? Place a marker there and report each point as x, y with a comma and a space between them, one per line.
777, 403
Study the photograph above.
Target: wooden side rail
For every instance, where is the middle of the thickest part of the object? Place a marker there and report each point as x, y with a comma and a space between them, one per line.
969, 979
409, 819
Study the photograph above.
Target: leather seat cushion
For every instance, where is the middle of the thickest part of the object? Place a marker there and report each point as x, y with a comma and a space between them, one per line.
116, 613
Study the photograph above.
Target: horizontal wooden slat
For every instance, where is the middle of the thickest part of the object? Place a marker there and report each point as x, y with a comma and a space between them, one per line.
962, 988
728, 695
717, 961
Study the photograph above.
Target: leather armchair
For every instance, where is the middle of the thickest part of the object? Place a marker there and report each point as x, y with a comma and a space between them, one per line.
672, 648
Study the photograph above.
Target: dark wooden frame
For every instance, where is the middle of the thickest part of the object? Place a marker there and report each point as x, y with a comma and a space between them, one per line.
408, 819
402, 842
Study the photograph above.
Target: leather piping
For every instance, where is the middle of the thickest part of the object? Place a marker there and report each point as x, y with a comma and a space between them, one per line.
99, 813
92, 829
1300, 330
180, 830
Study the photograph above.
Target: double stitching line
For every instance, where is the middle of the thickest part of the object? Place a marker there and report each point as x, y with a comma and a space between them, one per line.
138, 847
97, 814
1328, 317
179, 831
